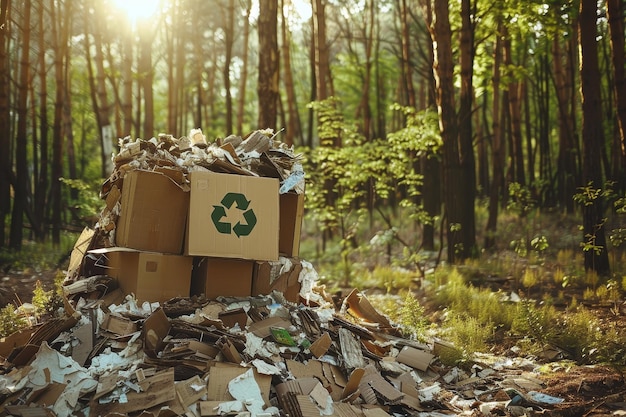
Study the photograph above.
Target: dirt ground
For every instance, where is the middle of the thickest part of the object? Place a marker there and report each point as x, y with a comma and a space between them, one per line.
592, 391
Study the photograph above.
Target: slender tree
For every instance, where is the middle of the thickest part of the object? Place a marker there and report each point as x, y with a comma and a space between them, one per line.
615, 14
595, 250
459, 211
228, 18
267, 87
5, 122
60, 38
20, 184
244, 70
42, 174
497, 154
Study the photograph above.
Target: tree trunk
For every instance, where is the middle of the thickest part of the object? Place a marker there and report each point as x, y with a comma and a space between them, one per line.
430, 166
244, 70
293, 122
596, 255
20, 187
267, 87
127, 76
515, 110
615, 14
60, 37
42, 179
443, 66
466, 157
497, 154
103, 107
146, 75
5, 123
229, 29
566, 160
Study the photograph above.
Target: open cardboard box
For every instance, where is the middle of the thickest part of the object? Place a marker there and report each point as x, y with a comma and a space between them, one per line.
153, 213
151, 276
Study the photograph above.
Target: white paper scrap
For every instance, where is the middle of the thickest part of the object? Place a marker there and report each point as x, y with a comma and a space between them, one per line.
245, 389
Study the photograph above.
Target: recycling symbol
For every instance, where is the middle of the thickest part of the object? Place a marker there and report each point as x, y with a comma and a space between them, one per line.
241, 203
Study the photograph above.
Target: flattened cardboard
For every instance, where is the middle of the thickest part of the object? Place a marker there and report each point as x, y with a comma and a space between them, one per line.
118, 325
82, 245
415, 358
291, 214
151, 276
233, 216
227, 277
321, 345
153, 213
262, 328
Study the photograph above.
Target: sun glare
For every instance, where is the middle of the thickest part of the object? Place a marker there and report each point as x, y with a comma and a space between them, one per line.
138, 9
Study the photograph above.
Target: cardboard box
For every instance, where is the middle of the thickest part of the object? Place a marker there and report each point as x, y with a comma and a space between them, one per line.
226, 277
232, 216
281, 276
151, 276
153, 213
291, 214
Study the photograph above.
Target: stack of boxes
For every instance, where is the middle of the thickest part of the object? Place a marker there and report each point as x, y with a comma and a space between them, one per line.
204, 233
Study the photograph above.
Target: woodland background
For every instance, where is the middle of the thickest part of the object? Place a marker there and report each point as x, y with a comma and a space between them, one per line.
406, 109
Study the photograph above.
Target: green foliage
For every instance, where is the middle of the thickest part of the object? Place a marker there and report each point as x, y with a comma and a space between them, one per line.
469, 334
481, 304
87, 203
37, 256
535, 323
520, 199
348, 183
10, 320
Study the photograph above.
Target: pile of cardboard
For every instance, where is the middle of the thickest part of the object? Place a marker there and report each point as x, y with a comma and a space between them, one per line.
188, 298
183, 217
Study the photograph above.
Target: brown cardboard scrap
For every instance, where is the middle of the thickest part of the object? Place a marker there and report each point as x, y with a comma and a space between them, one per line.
222, 373
229, 350
118, 325
236, 316
46, 396
262, 328
209, 408
375, 412
372, 380
351, 349
190, 390
106, 384
156, 390
347, 410
306, 406
79, 251
359, 306
352, 385
321, 345
415, 358
154, 330
82, 349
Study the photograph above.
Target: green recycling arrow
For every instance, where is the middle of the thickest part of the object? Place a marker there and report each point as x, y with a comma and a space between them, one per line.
240, 199
245, 229
219, 212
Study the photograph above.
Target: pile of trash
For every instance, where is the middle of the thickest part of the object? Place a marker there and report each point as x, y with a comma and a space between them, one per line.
280, 346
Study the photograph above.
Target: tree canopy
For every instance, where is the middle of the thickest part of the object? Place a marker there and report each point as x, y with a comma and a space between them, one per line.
429, 105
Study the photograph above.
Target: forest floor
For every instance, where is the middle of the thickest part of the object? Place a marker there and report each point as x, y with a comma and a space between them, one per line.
585, 390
